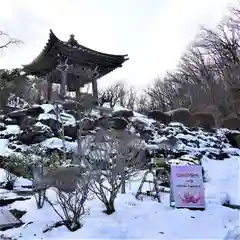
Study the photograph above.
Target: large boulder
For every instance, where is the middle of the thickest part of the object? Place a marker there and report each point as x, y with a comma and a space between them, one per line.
27, 122
233, 138
231, 123
181, 115
87, 124
34, 111
19, 115
119, 123
35, 134
54, 124
123, 113
70, 131
159, 116
204, 120
103, 122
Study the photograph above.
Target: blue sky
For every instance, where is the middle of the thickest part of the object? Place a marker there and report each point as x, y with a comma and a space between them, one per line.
153, 32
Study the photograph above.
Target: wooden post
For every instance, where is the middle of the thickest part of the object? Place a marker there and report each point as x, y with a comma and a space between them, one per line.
63, 83
94, 89
78, 92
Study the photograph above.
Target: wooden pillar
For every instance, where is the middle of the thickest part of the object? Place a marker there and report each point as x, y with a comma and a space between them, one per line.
95, 89
78, 92
49, 87
63, 83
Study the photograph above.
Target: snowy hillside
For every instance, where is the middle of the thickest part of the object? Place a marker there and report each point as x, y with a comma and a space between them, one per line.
146, 218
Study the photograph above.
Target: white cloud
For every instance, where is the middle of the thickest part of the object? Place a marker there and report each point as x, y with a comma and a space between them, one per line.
154, 33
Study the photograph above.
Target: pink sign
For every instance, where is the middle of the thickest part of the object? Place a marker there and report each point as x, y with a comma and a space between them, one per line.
187, 187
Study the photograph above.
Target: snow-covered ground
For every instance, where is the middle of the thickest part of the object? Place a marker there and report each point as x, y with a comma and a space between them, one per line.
146, 219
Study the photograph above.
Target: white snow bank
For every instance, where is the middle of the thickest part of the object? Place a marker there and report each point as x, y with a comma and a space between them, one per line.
11, 129
224, 180
145, 120
133, 219
56, 143
3, 146
47, 107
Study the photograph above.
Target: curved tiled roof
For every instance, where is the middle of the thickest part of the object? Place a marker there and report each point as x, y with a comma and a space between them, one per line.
46, 61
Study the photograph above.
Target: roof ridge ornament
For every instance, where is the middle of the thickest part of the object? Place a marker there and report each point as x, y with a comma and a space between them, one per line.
72, 40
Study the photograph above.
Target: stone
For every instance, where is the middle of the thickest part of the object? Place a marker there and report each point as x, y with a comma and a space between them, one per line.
35, 134
53, 124
87, 124
7, 220
17, 213
27, 122
159, 116
103, 122
19, 115
34, 111
10, 121
70, 131
119, 123
123, 113
2, 127
234, 139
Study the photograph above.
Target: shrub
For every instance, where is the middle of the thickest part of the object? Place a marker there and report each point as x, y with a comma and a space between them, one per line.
204, 120
72, 203
121, 151
231, 123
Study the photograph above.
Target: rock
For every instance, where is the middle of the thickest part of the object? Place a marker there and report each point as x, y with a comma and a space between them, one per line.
10, 121
2, 126
217, 156
181, 115
123, 113
3, 161
87, 124
119, 123
2, 117
159, 116
204, 120
234, 139
34, 111
7, 201
19, 115
232, 123
17, 213
54, 124
7, 220
70, 131
35, 134
28, 122
103, 122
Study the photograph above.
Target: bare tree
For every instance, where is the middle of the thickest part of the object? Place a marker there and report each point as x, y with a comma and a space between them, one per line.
115, 93
6, 40
131, 98
120, 153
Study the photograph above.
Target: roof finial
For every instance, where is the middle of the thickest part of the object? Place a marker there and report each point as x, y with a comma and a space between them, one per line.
72, 40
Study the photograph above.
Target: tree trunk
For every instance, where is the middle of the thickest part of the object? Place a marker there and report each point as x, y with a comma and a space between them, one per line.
110, 209
40, 197
123, 181
63, 83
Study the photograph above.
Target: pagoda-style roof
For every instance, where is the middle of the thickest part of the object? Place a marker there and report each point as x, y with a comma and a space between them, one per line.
77, 54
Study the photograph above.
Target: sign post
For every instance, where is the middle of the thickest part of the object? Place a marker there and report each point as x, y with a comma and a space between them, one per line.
187, 189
